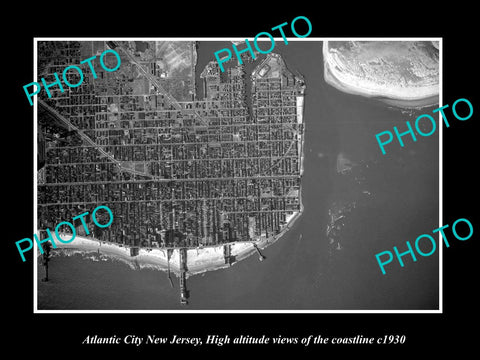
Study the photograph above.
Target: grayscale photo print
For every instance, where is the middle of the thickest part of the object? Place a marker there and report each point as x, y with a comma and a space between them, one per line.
273, 174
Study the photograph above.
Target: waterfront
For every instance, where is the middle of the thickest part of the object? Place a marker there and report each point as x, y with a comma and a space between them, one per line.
300, 272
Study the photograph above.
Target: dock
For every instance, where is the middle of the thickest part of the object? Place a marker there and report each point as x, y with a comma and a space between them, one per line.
184, 293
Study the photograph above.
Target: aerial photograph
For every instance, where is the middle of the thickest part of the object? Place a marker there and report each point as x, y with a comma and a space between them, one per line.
257, 188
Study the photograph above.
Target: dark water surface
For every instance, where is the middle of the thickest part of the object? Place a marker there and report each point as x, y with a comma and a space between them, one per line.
301, 271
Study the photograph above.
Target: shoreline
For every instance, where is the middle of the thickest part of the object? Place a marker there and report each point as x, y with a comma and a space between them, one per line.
199, 260
412, 97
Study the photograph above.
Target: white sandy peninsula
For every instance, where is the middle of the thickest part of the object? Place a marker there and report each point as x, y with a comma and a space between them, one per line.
402, 71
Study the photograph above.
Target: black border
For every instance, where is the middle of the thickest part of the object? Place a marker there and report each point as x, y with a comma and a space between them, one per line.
56, 333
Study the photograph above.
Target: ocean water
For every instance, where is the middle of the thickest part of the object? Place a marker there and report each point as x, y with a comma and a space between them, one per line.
395, 196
